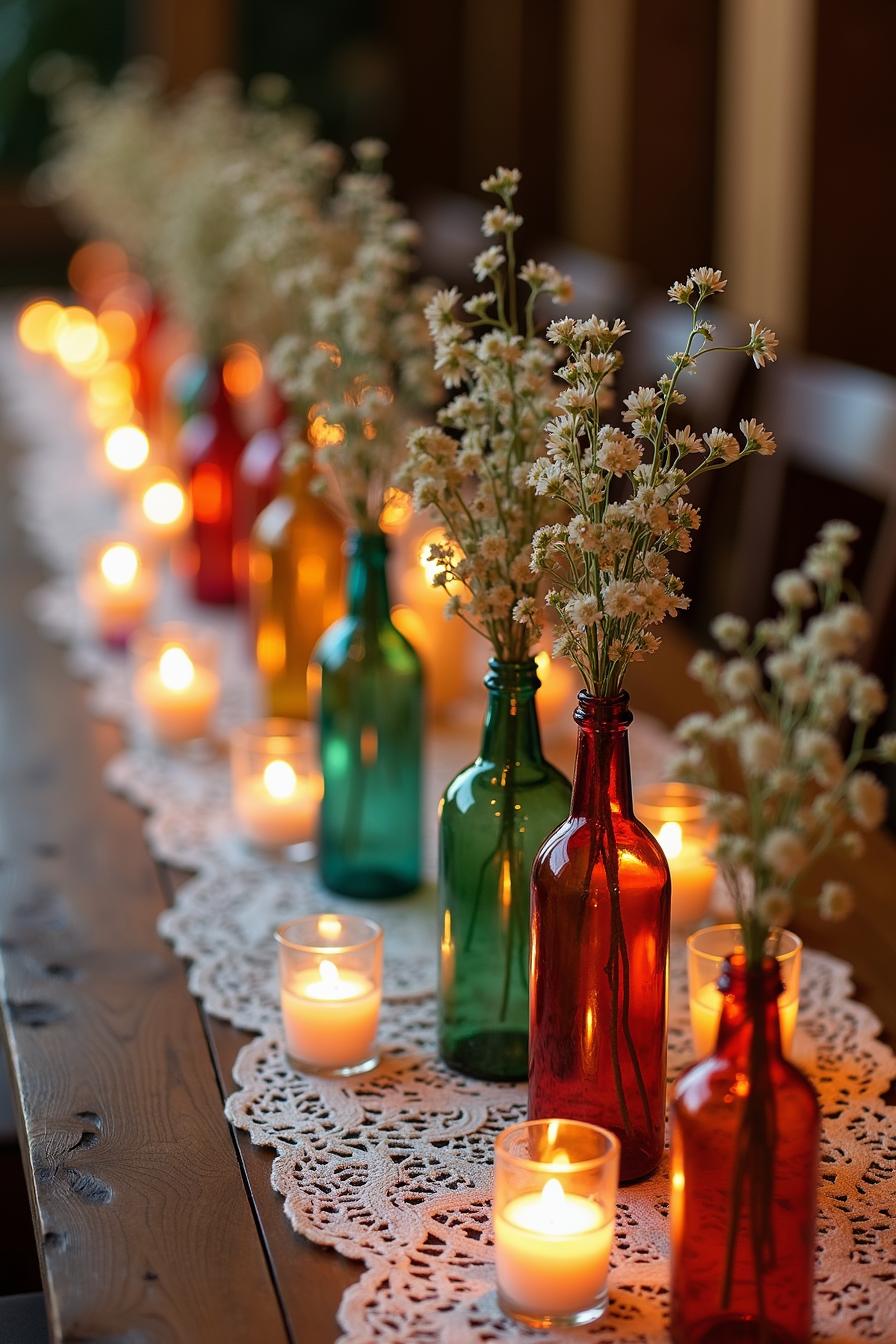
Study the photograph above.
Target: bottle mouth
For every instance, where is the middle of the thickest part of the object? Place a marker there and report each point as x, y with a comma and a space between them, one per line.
509, 675
603, 711
737, 971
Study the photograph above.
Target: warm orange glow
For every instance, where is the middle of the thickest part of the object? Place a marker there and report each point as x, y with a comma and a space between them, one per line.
126, 447
270, 649
396, 512
312, 576
280, 780
369, 744
321, 433
331, 349
435, 537
111, 385
261, 567
243, 371
119, 564
164, 503
81, 346
110, 417
208, 493
411, 624
37, 325
96, 266
176, 670
120, 331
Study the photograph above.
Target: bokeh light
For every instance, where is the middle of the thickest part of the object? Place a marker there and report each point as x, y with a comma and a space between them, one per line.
37, 325
80, 345
119, 564
243, 371
126, 447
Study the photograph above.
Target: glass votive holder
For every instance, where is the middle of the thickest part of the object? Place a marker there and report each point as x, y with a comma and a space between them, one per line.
707, 950
676, 814
176, 685
158, 509
554, 1213
331, 978
277, 785
118, 588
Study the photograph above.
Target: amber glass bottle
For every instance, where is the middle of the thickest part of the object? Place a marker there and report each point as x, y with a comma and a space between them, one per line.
296, 587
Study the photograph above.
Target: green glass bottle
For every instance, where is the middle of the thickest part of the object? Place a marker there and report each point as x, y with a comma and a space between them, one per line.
494, 817
371, 738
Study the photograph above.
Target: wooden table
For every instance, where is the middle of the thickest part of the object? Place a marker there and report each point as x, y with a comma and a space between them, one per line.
154, 1221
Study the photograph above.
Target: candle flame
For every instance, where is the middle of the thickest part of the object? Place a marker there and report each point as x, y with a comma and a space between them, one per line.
560, 1159
126, 447
119, 564
544, 665
553, 1197
280, 780
670, 839
176, 669
553, 1131
329, 973
164, 503
329, 926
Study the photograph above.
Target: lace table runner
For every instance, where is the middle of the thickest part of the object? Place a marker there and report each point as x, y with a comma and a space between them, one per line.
394, 1169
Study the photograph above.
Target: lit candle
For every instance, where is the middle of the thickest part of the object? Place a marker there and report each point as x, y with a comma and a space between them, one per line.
118, 589
277, 808
330, 993
175, 694
676, 814
440, 640
125, 450
160, 510
552, 1251
707, 950
557, 688
554, 1211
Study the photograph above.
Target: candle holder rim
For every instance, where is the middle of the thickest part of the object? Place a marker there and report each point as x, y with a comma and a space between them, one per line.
690, 800
613, 1148
297, 732
200, 645
720, 957
316, 949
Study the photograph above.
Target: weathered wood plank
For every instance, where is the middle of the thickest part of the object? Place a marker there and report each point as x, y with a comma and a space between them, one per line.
146, 1231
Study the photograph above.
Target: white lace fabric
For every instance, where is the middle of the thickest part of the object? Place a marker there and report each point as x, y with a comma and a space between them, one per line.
393, 1169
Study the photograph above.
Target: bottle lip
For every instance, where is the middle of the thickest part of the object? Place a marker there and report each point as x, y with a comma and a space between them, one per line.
512, 674
737, 971
610, 711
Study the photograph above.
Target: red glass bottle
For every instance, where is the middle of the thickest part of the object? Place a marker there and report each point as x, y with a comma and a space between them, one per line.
600, 953
258, 482
210, 445
744, 1174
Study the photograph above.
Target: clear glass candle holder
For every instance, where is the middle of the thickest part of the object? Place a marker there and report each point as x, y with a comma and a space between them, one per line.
118, 587
176, 685
554, 1213
707, 950
277, 785
676, 814
331, 978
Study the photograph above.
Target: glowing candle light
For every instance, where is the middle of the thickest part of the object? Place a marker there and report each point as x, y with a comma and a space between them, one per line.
118, 589
159, 510
676, 814
175, 692
37, 325
277, 785
441, 641
707, 950
126, 449
330, 992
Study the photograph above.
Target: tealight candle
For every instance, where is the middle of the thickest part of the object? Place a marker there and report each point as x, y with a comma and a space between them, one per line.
441, 640
554, 1212
159, 509
175, 683
277, 784
331, 969
125, 450
707, 950
676, 814
119, 589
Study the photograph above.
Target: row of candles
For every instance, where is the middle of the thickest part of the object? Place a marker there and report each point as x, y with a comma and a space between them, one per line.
555, 1184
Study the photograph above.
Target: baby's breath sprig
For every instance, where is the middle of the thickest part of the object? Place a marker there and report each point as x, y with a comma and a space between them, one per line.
791, 792
626, 489
471, 469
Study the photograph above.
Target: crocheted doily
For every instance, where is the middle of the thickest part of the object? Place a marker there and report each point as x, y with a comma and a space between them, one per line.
394, 1168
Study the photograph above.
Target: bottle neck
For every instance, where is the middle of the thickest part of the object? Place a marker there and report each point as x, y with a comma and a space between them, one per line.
510, 733
368, 583
603, 770
749, 1009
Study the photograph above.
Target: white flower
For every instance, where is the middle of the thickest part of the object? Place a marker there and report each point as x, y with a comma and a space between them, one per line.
500, 220
681, 291
839, 531
730, 632
867, 699
759, 748
792, 589
785, 852
617, 453
724, 444
740, 679
694, 728
886, 747
707, 280
583, 610
821, 753
705, 668
622, 599
488, 263
866, 799
758, 438
762, 345
774, 907
836, 900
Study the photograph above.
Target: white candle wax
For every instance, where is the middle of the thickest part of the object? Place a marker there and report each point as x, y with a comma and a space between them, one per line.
176, 697
330, 1016
119, 592
693, 874
277, 807
706, 1012
552, 1252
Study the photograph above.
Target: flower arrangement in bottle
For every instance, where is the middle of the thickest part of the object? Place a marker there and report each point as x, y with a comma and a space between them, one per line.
785, 792
600, 885
470, 472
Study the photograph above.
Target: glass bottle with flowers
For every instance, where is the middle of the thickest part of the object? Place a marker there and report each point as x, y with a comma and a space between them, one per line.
471, 474
369, 369
600, 884
745, 1122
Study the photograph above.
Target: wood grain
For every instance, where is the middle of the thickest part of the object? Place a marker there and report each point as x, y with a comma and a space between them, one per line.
145, 1228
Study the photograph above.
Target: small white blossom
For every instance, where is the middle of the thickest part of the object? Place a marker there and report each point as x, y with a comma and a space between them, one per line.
836, 900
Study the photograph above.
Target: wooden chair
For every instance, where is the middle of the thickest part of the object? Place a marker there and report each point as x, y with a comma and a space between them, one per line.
836, 429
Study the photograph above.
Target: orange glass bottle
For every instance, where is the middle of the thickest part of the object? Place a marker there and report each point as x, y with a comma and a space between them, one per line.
296, 587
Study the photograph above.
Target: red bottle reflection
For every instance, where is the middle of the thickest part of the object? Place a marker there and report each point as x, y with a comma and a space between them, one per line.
600, 952
210, 445
745, 1134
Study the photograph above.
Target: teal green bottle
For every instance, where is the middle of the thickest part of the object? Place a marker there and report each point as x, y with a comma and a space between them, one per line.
494, 817
371, 738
